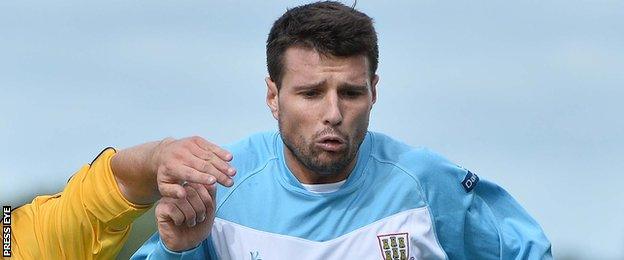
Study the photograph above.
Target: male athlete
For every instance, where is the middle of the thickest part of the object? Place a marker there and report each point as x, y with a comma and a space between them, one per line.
324, 187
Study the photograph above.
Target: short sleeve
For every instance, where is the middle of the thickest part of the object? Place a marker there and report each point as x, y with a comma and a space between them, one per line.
497, 227
102, 197
474, 218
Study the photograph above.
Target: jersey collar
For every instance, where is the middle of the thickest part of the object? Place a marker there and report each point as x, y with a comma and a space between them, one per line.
290, 182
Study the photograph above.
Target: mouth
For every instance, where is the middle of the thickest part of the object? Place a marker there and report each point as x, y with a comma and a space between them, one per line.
331, 143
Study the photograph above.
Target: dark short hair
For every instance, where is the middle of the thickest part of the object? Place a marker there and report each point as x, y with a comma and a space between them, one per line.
328, 27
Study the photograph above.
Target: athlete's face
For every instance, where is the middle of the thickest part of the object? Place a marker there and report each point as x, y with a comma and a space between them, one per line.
323, 106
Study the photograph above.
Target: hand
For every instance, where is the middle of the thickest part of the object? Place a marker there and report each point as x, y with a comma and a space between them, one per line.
148, 171
192, 160
184, 223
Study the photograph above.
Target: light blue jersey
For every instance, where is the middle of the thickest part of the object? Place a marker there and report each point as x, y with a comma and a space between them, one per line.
399, 202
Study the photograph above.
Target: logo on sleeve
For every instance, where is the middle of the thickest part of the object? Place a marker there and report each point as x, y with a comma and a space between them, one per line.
394, 246
470, 181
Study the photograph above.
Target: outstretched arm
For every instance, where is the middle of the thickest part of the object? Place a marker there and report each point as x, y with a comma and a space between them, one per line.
147, 171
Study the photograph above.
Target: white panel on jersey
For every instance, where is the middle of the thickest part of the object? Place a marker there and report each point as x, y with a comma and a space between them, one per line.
406, 235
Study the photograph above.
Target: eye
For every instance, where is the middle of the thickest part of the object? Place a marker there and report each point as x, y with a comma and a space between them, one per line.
352, 93
310, 94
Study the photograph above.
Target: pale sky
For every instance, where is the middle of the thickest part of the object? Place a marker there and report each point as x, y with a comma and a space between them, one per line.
526, 94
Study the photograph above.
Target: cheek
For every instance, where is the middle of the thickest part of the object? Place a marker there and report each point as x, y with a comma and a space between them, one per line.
299, 114
294, 119
360, 116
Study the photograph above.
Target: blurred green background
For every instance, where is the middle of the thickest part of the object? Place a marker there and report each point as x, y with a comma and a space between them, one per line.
142, 229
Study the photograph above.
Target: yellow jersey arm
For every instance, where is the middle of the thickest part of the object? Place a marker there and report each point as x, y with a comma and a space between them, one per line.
89, 219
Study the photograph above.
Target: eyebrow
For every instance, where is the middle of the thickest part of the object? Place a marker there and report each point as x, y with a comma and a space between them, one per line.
309, 86
321, 83
352, 86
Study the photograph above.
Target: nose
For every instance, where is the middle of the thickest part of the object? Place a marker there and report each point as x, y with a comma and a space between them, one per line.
332, 109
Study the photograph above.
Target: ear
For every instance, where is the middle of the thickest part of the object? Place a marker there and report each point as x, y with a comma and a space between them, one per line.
272, 97
374, 88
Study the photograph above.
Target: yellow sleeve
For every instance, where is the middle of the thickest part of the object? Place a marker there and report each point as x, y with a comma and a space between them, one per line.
89, 219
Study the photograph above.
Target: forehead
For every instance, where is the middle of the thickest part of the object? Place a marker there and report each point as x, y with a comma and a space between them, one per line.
305, 65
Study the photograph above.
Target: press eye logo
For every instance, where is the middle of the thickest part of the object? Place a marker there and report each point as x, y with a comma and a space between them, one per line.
394, 246
6, 231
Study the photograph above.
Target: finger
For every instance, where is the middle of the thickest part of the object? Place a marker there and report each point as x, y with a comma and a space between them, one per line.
223, 167
187, 210
211, 204
222, 178
200, 152
198, 206
172, 190
185, 173
208, 146
209, 168
204, 195
221, 164
212, 191
167, 211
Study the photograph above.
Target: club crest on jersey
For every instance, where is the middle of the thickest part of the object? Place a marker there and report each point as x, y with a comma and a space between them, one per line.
394, 246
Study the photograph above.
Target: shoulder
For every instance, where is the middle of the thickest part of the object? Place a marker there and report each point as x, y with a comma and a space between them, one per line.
252, 152
251, 155
461, 203
431, 170
257, 142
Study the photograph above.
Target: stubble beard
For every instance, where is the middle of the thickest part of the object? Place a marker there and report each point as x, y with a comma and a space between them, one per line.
309, 156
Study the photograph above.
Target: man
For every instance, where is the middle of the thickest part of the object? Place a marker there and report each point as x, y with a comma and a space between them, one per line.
323, 187
91, 217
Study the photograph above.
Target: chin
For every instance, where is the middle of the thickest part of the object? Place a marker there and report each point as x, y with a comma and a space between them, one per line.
330, 166
331, 158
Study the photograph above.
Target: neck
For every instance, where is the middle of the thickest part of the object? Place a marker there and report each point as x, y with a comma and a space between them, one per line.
307, 176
